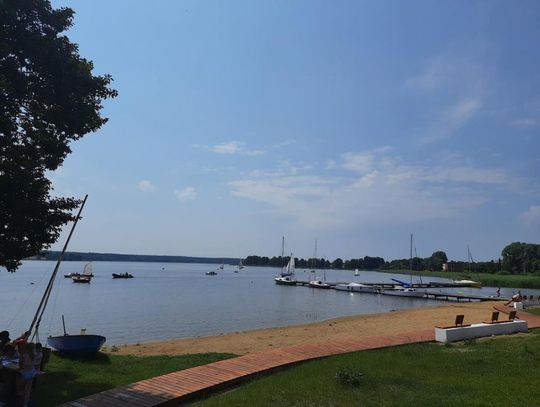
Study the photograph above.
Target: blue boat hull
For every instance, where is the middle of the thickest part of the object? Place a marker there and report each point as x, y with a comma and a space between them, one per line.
76, 343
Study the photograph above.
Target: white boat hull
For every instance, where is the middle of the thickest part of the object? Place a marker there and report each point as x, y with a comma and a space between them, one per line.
285, 281
319, 284
408, 292
358, 288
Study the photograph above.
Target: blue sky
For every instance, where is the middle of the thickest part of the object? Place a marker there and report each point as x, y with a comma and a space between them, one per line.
351, 122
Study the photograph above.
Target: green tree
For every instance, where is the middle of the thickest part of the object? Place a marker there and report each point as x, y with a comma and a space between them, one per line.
436, 260
337, 264
48, 98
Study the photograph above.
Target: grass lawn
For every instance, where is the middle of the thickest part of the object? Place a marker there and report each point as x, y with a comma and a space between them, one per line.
501, 371
535, 311
69, 379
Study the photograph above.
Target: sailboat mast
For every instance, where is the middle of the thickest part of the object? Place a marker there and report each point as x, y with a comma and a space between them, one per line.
410, 260
46, 295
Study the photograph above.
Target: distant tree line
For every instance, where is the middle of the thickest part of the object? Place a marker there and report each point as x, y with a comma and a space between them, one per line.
517, 258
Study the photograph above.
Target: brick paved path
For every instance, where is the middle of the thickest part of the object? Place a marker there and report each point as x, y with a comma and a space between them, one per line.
172, 388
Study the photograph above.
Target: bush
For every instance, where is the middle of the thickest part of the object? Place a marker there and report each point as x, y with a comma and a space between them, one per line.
349, 376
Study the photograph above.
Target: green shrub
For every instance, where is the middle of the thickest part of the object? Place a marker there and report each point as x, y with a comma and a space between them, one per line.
349, 376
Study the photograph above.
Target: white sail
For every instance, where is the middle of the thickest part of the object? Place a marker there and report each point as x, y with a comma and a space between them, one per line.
290, 265
87, 269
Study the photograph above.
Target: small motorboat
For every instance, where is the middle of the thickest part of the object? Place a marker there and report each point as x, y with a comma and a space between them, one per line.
71, 275
122, 275
319, 284
211, 273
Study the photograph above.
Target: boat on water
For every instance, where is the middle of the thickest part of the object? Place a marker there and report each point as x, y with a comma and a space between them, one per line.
211, 273
287, 276
122, 275
357, 287
401, 291
85, 276
468, 283
356, 273
319, 284
287, 280
240, 265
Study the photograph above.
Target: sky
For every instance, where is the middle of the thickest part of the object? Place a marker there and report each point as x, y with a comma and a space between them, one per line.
353, 123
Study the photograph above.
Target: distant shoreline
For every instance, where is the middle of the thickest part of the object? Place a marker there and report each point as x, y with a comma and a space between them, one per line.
144, 258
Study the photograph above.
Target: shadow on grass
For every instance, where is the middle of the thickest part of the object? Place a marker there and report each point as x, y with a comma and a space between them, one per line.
94, 358
56, 388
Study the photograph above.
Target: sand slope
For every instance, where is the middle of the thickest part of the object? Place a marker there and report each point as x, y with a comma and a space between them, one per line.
341, 328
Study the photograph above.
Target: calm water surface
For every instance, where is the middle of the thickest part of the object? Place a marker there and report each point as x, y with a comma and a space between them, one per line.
176, 300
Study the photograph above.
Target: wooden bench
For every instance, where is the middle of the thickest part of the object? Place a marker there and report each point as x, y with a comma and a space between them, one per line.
457, 323
495, 317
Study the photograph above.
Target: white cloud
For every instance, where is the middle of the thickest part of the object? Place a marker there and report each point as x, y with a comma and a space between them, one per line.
359, 162
186, 194
523, 123
452, 119
231, 147
146, 186
399, 193
532, 215
235, 147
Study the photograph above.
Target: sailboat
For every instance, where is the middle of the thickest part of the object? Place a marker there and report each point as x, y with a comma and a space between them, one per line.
405, 289
468, 283
66, 343
240, 265
318, 283
86, 275
287, 274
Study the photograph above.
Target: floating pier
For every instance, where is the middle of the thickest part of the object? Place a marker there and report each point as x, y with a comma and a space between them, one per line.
428, 295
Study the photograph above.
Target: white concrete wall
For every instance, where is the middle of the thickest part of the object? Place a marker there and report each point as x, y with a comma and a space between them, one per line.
479, 331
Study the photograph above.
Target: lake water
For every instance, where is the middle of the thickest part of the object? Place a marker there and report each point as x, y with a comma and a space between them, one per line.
177, 300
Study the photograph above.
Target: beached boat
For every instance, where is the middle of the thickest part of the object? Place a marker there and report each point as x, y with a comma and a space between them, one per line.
122, 275
357, 287
72, 344
77, 344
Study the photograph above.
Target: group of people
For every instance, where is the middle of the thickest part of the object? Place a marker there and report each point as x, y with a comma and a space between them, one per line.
21, 363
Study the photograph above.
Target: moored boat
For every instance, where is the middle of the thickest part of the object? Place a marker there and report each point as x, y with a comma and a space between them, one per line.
400, 291
319, 284
468, 283
287, 280
122, 275
357, 287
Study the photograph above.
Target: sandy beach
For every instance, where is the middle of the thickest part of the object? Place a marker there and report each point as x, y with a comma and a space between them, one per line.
241, 343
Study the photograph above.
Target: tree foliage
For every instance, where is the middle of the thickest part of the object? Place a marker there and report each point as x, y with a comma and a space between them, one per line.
520, 257
48, 98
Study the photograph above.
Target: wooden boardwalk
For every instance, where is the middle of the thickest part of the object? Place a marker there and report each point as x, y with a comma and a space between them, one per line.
185, 385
